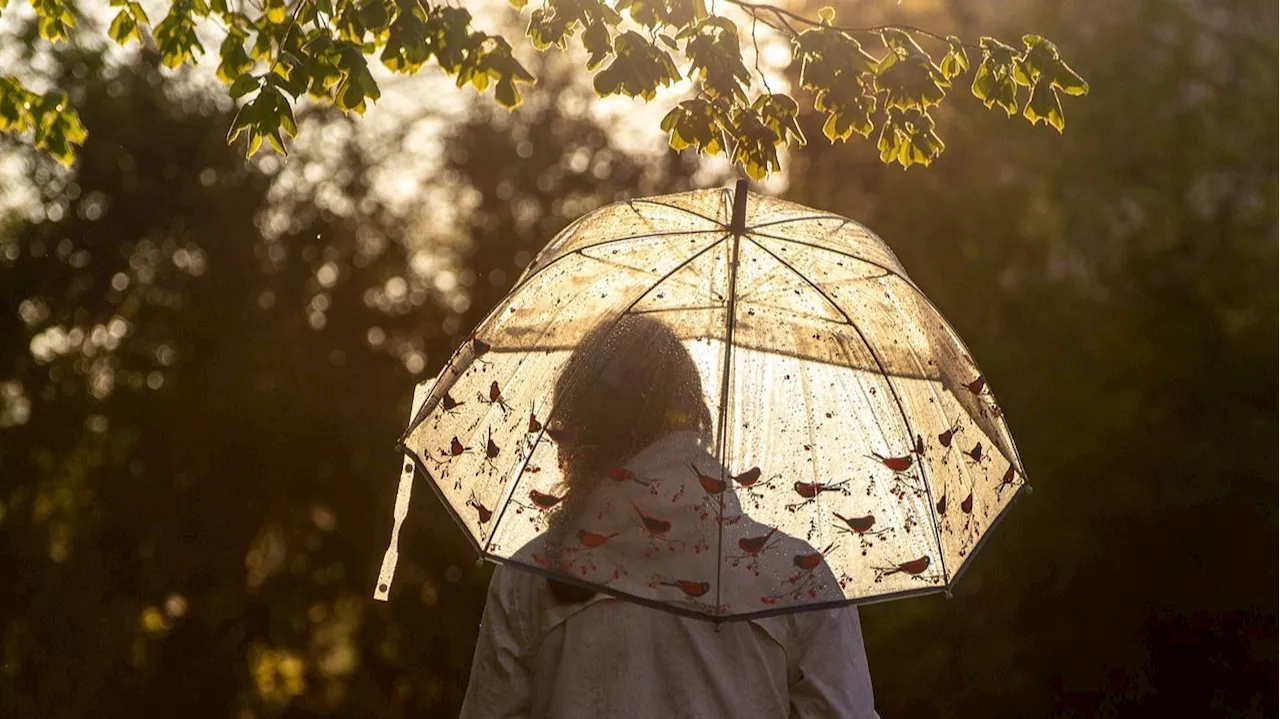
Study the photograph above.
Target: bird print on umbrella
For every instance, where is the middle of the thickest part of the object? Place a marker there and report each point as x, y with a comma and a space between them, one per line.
829, 347
810, 492
863, 528
913, 568
751, 547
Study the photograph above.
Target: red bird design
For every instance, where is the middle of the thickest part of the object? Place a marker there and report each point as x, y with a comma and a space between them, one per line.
491, 449
942, 504
692, 589
977, 385
897, 464
976, 453
919, 447
544, 501
534, 425
809, 490
495, 397
914, 567
807, 561
860, 525
966, 506
449, 403
1006, 480
945, 438
710, 484
748, 478
753, 545
591, 540
456, 448
653, 525
481, 511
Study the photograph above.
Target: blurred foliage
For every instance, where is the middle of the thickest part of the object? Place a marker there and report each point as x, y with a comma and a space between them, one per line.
320, 50
204, 365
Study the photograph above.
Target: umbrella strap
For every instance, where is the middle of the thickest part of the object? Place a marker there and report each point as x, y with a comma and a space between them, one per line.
389, 559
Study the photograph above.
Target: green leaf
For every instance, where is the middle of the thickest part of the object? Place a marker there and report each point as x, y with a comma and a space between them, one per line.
1043, 60
16, 102
638, 68
57, 127
907, 138
245, 118
243, 85
235, 61
911, 82
699, 124
994, 83
1044, 105
139, 14
176, 37
779, 113
596, 42
715, 58
406, 49
956, 62
124, 28
54, 19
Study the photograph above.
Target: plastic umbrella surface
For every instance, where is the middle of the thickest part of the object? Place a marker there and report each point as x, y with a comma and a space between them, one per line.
719, 404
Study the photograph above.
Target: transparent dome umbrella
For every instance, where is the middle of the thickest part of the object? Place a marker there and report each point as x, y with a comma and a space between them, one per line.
849, 451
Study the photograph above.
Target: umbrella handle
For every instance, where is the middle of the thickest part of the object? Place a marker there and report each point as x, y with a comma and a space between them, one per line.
738, 225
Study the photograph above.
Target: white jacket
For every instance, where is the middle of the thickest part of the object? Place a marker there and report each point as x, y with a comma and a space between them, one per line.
610, 658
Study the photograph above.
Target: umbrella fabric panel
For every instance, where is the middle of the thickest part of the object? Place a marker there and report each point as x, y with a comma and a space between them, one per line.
622, 221
833, 235
714, 205
851, 514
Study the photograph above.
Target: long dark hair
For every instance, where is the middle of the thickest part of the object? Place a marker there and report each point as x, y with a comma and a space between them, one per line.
626, 385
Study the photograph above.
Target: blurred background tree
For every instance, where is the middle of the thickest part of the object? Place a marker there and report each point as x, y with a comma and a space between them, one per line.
204, 364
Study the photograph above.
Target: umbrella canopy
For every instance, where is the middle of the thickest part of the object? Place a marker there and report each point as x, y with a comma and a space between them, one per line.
720, 404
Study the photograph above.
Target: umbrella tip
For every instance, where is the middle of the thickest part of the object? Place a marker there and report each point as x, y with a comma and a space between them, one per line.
739, 223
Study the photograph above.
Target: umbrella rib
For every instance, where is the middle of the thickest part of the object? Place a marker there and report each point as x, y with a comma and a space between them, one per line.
602, 243
801, 218
834, 251
942, 558
651, 201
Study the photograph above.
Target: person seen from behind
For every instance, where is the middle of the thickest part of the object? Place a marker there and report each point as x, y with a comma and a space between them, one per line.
631, 396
